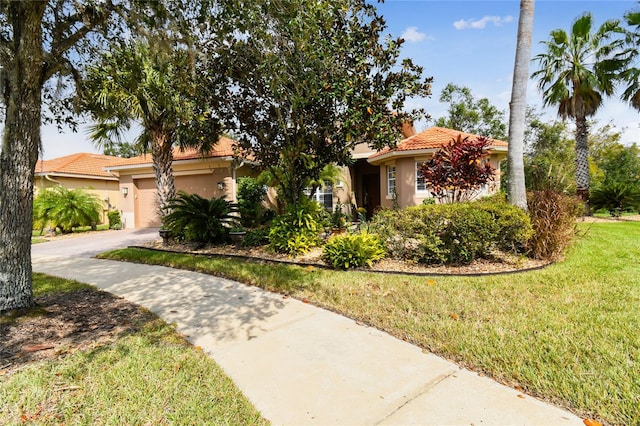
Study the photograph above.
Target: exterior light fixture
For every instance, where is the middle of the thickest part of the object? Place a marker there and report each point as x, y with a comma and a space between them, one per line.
125, 191
221, 186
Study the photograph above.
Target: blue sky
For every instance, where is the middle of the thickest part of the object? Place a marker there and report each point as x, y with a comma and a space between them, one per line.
469, 43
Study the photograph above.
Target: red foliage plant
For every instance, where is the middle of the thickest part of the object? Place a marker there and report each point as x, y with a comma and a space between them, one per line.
457, 170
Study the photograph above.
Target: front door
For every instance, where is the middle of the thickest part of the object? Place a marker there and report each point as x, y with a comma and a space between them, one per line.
371, 193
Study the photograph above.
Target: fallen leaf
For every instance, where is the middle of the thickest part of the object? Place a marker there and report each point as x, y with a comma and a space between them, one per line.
3, 372
36, 348
305, 300
519, 389
454, 316
431, 282
369, 110
521, 396
591, 422
198, 348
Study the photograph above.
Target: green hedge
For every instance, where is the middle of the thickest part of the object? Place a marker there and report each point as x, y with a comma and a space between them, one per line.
455, 233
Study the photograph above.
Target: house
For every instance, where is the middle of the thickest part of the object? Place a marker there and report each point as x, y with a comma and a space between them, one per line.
82, 170
212, 175
369, 182
375, 176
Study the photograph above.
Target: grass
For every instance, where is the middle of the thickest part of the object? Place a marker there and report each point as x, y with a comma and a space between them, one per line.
568, 333
150, 377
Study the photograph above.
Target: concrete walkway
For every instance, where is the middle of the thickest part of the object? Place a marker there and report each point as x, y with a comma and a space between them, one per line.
302, 365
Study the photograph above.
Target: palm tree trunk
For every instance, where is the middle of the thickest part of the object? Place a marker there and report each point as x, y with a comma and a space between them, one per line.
517, 188
582, 163
162, 154
19, 154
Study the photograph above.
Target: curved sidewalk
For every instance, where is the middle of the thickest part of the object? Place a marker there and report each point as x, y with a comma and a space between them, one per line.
300, 364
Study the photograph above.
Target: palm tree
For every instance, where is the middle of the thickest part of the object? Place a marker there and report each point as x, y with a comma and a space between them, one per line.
518, 106
66, 208
576, 72
632, 74
151, 83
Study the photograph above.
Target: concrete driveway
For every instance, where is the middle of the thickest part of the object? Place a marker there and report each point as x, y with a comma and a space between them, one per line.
94, 243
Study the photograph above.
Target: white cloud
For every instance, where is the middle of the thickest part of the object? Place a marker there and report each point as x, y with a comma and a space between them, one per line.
480, 24
412, 35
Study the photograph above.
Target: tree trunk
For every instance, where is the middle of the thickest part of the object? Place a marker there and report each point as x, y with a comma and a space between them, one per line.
582, 163
162, 154
517, 188
20, 149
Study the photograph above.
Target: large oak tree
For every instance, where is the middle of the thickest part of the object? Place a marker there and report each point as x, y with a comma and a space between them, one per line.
43, 47
308, 81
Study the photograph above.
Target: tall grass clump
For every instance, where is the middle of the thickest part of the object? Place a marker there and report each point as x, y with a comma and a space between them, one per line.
553, 216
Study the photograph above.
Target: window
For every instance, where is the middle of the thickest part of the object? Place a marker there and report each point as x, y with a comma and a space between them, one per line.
323, 196
391, 180
421, 185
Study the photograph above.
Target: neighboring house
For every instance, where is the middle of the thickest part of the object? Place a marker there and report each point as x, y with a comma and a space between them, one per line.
82, 170
212, 175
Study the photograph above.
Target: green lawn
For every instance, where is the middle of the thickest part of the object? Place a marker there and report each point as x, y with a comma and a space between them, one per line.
569, 333
152, 376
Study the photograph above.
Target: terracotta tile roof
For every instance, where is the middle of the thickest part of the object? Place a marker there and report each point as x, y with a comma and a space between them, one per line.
80, 164
224, 148
432, 138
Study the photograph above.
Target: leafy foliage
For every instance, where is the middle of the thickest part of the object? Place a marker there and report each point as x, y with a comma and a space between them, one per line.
327, 80
616, 197
549, 157
353, 250
469, 115
553, 216
115, 221
256, 237
66, 208
250, 195
456, 171
297, 231
452, 233
195, 218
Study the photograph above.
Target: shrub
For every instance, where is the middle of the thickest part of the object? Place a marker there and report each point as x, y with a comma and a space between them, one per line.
452, 233
194, 218
408, 235
514, 224
553, 216
457, 170
66, 208
615, 197
297, 231
250, 195
115, 222
352, 251
256, 237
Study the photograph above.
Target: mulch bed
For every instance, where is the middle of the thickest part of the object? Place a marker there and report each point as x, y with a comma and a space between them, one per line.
63, 323
499, 263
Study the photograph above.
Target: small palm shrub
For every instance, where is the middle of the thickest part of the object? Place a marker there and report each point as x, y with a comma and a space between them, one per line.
197, 219
297, 231
65, 209
452, 233
615, 197
115, 222
353, 250
553, 216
